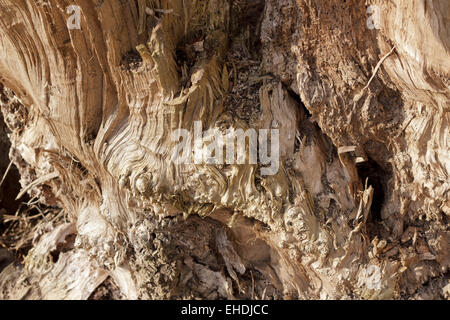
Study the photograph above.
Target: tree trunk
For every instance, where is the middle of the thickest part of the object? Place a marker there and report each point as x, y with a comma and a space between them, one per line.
359, 93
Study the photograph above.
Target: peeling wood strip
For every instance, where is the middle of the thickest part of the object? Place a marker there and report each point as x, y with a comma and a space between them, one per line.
364, 205
346, 149
6, 173
378, 67
37, 182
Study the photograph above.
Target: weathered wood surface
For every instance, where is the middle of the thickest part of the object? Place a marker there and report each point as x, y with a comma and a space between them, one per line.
91, 110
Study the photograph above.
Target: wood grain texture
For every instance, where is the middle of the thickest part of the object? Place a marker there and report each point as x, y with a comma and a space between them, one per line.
97, 106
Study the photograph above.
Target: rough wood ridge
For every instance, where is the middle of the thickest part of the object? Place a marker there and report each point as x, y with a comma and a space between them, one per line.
358, 209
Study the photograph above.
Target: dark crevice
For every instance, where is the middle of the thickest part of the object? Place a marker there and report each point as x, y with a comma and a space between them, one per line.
299, 101
376, 177
132, 60
305, 115
14, 232
369, 171
11, 185
108, 290
309, 128
6, 257
243, 60
248, 15
62, 247
187, 54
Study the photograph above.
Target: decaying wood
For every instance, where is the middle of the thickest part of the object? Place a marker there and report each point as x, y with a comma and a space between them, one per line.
358, 208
